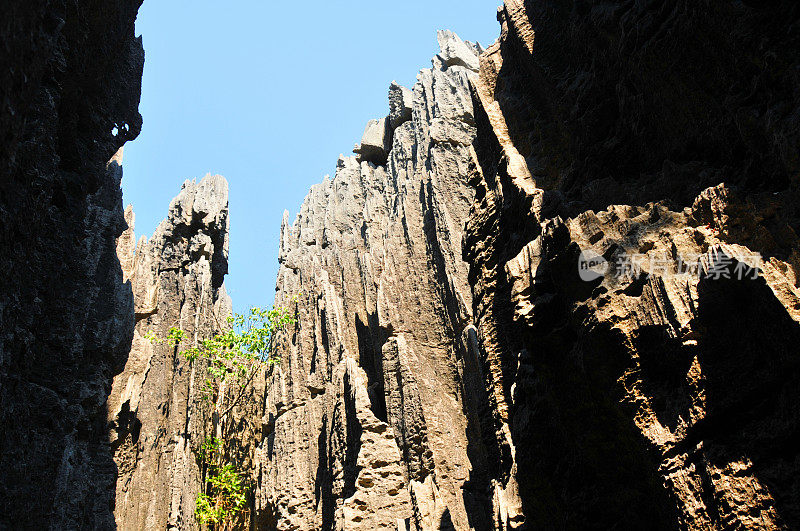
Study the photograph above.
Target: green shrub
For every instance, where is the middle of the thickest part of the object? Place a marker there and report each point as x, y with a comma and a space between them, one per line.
232, 356
225, 492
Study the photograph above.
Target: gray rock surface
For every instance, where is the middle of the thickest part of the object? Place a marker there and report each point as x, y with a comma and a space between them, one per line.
71, 74
372, 419
376, 142
401, 105
455, 52
157, 417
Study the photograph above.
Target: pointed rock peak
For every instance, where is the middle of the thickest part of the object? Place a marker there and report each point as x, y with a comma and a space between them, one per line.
211, 197
456, 52
130, 216
284, 243
126, 245
400, 104
206, 201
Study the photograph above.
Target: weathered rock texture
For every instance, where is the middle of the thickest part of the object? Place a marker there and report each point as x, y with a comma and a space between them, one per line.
451, 366
373, 418
524, 395
69, 92
157, 415
652, 399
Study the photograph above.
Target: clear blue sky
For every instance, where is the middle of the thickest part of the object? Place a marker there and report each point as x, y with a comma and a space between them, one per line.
268, 94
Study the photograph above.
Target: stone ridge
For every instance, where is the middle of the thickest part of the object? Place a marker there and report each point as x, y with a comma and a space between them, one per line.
372, 418
71, 75
155, 412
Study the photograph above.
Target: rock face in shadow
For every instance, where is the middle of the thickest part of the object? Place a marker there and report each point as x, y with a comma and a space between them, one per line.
372, 420
156, 412
69, 91
663, 393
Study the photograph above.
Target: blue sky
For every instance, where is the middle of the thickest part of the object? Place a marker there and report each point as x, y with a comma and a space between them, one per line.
268, 94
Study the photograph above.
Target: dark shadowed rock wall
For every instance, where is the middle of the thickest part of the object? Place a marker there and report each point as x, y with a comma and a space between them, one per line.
657, 397
69, 93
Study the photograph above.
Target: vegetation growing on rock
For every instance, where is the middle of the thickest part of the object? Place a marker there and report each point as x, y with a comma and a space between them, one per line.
230, 359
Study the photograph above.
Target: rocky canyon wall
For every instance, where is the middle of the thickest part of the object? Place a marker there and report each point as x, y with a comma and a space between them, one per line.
373, 418
660, 394
555, 287
657, 390
69, 94
157, 416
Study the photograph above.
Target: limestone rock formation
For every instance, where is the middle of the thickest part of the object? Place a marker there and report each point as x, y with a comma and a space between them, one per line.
157, 416
69, 94
558, 287
455, 52
373, 418
633, 257
376, 142
401, 105
621, 352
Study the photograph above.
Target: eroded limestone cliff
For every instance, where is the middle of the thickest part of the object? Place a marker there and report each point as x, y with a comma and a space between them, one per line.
556, 287
69, 93
372, 420
659, 393
157, 416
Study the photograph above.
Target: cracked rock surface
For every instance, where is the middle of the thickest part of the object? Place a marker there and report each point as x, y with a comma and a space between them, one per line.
660, 396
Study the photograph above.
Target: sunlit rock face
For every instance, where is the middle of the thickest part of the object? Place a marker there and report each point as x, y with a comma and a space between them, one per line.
373, 418
69, 94
157, 417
